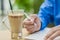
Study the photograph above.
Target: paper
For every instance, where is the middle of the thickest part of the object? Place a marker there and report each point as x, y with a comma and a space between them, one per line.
40, 35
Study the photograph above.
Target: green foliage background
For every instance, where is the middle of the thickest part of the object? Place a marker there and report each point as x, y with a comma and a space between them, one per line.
37, 4
27, 5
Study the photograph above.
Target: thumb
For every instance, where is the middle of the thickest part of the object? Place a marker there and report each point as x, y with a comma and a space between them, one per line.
33, 17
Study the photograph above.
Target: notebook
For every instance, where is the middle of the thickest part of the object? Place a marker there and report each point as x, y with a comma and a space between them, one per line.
40, 35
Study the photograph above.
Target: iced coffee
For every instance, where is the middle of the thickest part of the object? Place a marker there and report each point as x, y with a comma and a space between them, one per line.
15, 20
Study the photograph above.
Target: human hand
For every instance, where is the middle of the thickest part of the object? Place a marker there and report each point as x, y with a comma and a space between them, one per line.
53, 33
29, 25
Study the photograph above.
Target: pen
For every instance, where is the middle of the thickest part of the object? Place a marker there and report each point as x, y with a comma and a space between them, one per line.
31, 20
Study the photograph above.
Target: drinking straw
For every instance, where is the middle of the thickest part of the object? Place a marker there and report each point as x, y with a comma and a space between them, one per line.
10, 5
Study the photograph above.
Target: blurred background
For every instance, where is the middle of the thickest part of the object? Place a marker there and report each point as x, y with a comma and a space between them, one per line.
29, 6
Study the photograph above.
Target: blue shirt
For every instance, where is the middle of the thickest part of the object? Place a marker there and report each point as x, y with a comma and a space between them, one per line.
49, 13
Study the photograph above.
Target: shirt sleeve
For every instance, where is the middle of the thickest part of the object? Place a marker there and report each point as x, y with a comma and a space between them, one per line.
46, 13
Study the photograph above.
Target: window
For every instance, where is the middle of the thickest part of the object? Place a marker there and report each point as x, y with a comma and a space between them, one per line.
0, 4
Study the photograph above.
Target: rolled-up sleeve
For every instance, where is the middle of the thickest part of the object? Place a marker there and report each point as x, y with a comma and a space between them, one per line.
46, 13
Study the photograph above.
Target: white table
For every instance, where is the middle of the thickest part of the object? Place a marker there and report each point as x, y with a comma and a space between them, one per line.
5, 35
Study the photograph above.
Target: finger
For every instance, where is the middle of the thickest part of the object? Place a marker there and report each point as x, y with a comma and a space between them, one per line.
33, 17
38, 23
27, 21
29, 26
31, 30
48, 35
53, 36
56, 28
30, 20
53, 30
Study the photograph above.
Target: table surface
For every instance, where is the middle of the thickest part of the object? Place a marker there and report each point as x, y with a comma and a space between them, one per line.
6, 35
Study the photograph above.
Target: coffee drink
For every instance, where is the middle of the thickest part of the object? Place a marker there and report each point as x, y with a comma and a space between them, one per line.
15, 20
